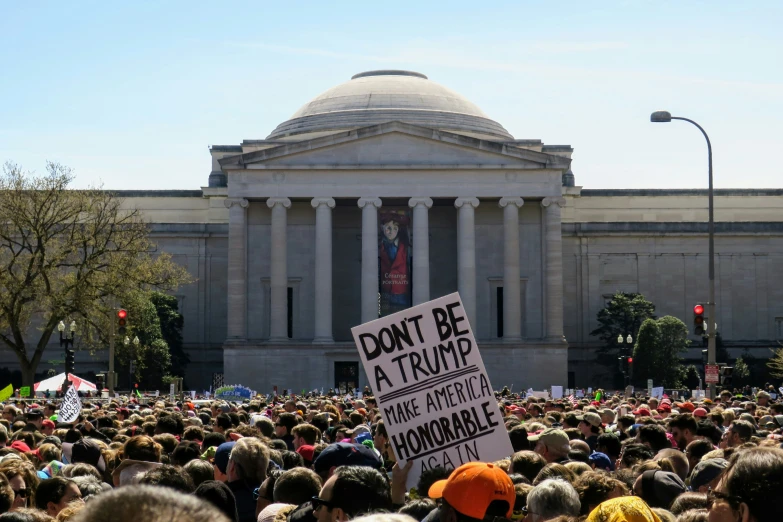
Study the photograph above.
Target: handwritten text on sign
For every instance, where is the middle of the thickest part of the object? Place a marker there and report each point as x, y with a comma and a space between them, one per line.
431, 386
70, 407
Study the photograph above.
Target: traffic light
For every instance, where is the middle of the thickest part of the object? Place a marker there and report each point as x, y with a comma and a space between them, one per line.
630, 367
726, 375
122, 321
70, 358
698, 320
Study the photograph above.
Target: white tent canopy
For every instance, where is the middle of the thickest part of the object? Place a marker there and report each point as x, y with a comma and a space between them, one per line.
55, 383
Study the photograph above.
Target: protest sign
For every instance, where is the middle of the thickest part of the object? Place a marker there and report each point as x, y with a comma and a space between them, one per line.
557, 392
431, 386
657, 392
24, 391
580, 393
70, 407
6, 392
697, 394
234, 392
539, 394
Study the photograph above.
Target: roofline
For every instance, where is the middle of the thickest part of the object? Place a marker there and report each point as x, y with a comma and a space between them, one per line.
681, 192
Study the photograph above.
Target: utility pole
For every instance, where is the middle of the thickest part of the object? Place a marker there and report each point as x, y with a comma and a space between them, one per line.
112, 376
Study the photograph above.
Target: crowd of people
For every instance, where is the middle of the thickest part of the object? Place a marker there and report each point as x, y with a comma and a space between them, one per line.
295, 459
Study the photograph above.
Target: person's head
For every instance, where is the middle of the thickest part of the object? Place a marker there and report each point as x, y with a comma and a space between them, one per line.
185, 451
199, 471
142, 448
220, 461
10, 413
150, 504
351, 491
212, 439
653, 436
687, 501
418, 509
590, 424
391, 228
296, 486
248, 461
658, 488
89, 486
168, 476
696, 450
344, 454
594, 487
7, 494
223, 423
632, 454
285, 424
749, 489
683, 428
518, 437
305, 435
677, 459
552, 444
740, 432
219, 494
552, 498
527, 463
555, 471
623, 509
609, 444
473, 492
54, 494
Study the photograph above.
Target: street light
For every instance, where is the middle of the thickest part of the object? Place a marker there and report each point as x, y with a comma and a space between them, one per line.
628, 339
666, 117
66, 342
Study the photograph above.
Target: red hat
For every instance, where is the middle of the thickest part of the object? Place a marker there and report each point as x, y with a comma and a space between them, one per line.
642, 411
687, 406
664, 407
472, 487
306, 451
48, 424
18, 445
699, 412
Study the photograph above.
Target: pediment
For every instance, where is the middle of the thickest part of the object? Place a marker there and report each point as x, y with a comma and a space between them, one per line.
395, 144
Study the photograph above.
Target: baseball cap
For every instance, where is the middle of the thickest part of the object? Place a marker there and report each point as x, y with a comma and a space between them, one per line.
601, 461
222, 455
699, 412
345, 454
306, 451
705, 472
593, 419
87, 451
642, 411
47, 424
687, 406
472, 487
552, 438
660, 488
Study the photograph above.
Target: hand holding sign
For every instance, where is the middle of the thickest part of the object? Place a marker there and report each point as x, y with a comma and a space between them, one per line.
71, 406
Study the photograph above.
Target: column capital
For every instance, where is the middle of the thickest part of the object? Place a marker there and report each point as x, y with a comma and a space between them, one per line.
317, 202
230, 202
272, 202
517, 201
559, 201
415, 202
363, 202
471, 202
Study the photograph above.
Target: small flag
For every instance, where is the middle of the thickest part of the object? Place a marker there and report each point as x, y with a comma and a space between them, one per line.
572, 400
6, 392
138, 394
598, 396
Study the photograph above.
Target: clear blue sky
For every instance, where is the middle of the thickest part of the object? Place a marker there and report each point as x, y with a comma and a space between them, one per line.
133, 93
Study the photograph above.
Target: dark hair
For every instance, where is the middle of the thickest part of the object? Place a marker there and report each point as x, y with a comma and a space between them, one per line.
296, 486
224, 421
555, 471
611, 443
527, 463
291, 460
634, 453
429, 477
743, 429
709, 430
518, 436
50, 490
193, 433
698, 448
167, 424
212, 439
685, 421
288, 420
595, 487
418, 509
185, 451
169, 476
219, 494
360, 490
689, 500
655, 436
6, 494
200, 471
755, 477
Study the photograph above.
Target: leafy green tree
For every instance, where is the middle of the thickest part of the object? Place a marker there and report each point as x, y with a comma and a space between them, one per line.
673, 344
775, 363
692, 377
741, 373
623, 315
171, 323
645, 353
68, 255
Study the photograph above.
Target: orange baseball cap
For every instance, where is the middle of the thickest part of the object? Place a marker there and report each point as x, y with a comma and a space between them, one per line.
472, 487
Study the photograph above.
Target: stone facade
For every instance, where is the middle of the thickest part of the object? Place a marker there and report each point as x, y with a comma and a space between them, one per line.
283, 242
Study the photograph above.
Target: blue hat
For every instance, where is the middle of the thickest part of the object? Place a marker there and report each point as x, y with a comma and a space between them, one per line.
345, 454
222, 454
601, 461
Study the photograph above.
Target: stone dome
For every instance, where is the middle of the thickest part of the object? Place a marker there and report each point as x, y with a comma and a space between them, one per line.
375, 97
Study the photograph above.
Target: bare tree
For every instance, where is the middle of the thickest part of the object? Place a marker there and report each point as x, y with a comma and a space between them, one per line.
64, 255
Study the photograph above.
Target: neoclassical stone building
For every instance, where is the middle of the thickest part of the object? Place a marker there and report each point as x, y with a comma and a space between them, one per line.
389, 190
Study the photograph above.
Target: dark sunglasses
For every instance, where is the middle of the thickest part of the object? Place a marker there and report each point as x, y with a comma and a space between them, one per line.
20, 493
318, 502
714, 496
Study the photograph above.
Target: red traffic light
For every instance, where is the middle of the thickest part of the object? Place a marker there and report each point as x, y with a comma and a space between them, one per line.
698, 309
122, 314
630, 360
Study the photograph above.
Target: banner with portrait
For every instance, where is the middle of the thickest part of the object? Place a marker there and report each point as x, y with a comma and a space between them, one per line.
394, 254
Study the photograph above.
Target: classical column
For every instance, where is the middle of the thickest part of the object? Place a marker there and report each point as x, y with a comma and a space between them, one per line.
554, 267
466, 256
278, 321
237, 268
512, 301
421, 249
323, 269
369, 208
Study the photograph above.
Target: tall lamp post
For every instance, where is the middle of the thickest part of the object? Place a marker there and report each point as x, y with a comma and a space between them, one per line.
66, 342
666, 117
127, 342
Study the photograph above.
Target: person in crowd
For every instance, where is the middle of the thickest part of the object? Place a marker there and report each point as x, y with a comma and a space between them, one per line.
550, 499
284, 427
552, 444
351, 491
54, 494
475, 491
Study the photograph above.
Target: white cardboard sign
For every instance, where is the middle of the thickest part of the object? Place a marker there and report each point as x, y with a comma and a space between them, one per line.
557, 392
71, 406
432, 389
657, 392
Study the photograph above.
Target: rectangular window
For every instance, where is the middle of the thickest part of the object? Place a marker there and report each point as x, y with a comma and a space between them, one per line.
499, 305
290, 312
